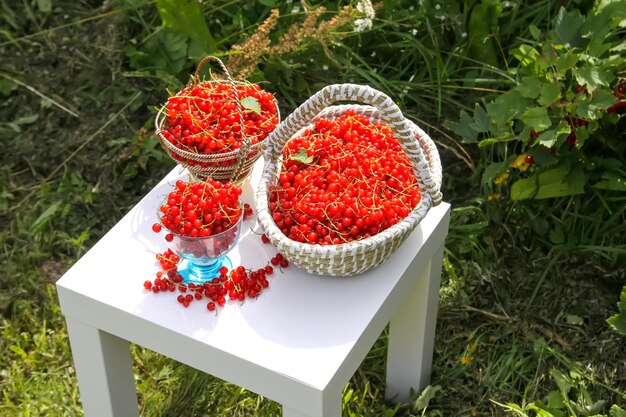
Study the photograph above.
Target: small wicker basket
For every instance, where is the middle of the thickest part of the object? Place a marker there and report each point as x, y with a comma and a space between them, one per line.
233, 166
362, 255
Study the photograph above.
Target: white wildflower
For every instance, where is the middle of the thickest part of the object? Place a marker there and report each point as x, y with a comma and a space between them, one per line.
325, 67
296, 9
464, 35
411, 8
365, 7
437, 6
373, 54
361, 25
567, 45
367, 10
414, 32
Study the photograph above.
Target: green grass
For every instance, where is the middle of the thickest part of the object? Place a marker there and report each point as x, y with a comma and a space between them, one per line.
64, 180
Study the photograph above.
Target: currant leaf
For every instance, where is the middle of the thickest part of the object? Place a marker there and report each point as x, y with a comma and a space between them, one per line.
252, 104
302, 156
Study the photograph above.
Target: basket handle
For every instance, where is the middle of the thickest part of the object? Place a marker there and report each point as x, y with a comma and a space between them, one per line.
427, 168
246, 142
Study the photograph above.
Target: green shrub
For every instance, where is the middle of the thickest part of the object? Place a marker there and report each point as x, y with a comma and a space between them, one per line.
557, 133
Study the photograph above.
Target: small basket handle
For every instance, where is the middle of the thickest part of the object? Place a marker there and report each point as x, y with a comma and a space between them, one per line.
427, 168
246, 142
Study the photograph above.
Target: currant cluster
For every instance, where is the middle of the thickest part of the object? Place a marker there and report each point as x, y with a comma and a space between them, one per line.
200, 209
204, 118
168, 259
237, 284
342, 180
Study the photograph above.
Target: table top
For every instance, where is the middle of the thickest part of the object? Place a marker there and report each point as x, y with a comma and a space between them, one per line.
303, 327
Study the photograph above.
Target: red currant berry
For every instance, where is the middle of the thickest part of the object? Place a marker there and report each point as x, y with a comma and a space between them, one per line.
156, 228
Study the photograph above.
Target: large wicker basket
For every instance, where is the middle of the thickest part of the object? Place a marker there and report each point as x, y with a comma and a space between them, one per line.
358, 256
233, 166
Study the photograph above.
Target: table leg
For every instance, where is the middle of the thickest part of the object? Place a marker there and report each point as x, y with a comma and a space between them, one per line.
412, 335
104, 370
329, 410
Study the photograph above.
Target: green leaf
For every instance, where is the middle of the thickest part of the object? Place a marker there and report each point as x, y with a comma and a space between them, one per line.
506, 107
611, 163
596, 106
534, 31
547, 138
489, 174
566, 25
483, 23
618, 322
537, 118
550, 92
302, 156
557, 235
543, 157
555, 400
559, 181
422, 402
529, 87
252, 104
553, 184
463, 128
526, 55
46, 217
566, 61
606, 19
550, 137
186, 16
524, 189
482, 121
611, 181
592, 77
561, 381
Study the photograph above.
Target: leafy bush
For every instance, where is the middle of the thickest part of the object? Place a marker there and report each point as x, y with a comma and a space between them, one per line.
558, 131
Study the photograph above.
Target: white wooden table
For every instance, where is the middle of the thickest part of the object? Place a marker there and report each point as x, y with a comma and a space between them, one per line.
298, 343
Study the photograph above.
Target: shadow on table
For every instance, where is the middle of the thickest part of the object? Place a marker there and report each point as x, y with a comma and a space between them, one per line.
303, 310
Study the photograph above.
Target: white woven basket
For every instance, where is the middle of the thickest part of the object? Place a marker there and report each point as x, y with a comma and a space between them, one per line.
357, 256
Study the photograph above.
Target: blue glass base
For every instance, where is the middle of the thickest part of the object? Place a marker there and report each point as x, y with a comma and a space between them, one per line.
199, 274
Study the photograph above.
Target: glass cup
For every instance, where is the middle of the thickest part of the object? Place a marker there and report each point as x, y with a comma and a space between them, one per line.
202, 257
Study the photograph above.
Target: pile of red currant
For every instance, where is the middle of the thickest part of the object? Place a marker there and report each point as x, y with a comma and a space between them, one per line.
343, 179
204, 119
201, 209
237, 284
